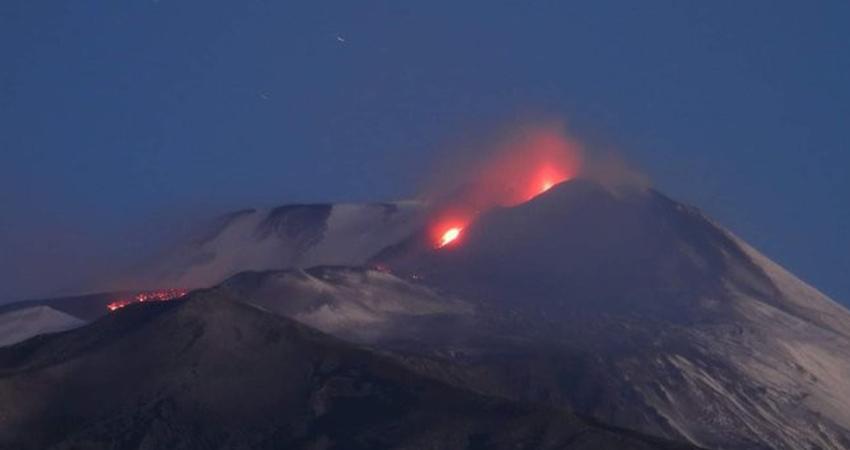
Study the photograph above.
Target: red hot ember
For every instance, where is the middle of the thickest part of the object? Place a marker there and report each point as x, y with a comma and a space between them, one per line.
162, 295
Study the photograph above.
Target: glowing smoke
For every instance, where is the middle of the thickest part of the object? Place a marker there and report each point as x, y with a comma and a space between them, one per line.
518, 168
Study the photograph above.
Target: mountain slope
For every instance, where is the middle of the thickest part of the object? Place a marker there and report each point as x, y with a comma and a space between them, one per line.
87, 307
670, 324
289, 236
623, 305
211, 372
356, 304
22, 324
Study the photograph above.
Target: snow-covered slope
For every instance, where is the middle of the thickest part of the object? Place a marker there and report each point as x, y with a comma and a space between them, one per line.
623, 305
210, 372
357, 304
291, 236
22, 324
653, 317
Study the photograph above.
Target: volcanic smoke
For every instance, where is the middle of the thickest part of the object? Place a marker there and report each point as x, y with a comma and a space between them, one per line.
521, 168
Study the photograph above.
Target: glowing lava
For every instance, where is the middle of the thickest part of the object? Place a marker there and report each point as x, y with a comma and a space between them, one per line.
449, 236
162, 295
522, 166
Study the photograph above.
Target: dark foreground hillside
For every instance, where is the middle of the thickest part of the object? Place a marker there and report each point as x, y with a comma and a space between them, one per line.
213, 373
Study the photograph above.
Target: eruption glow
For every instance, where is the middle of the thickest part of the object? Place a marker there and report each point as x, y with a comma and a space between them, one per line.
523, 167
148, 296
450, 236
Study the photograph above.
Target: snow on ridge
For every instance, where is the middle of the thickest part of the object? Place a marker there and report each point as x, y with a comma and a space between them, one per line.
22, 324
804, 300
288, 237
352, 302
356, 232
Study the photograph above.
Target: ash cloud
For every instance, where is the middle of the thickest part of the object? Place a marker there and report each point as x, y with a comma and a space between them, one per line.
509, 167
44, 255
516, 162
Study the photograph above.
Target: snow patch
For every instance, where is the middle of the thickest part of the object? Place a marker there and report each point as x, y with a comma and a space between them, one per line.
22, 324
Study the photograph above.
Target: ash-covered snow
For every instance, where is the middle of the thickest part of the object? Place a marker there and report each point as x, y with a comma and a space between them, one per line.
631, 308
804, 299
358, 304
658, 318
291, 236
22, 324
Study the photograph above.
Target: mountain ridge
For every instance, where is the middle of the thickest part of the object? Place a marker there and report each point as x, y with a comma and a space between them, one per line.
620, 304
206, 372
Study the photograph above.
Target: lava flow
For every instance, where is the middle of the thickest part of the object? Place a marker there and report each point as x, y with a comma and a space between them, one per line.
529, 164
450, 236
162, 295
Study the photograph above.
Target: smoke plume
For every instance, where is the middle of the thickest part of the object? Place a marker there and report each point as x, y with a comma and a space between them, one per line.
511, 168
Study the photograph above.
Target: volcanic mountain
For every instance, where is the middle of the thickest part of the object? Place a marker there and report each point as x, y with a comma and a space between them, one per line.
288, 236
682, 329
618, 303
211, 372
622, 304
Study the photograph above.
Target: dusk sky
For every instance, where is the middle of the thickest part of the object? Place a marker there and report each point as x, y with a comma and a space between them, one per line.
123, 121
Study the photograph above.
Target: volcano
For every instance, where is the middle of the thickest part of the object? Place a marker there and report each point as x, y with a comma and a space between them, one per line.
630, 307
618, 303
653, 317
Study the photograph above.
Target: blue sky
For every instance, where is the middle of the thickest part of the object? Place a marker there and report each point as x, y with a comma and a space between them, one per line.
119, 120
